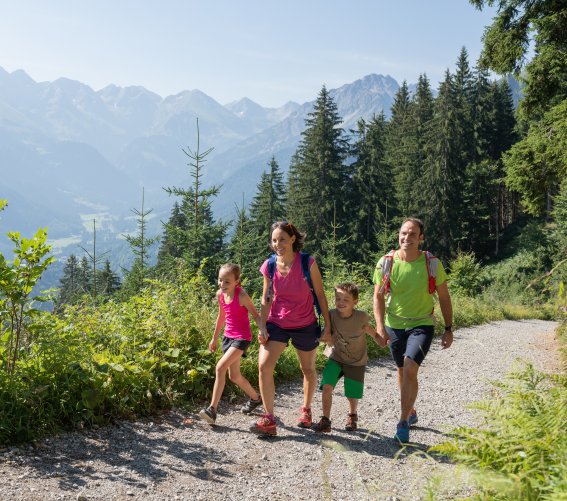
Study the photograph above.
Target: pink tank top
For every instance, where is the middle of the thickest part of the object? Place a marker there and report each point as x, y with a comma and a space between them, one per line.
292, 306
237, 322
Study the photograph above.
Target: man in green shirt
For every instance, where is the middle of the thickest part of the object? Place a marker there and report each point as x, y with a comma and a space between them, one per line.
407, 315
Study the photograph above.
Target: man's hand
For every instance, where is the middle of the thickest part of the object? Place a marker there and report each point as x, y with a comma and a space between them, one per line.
447, 339
382, 340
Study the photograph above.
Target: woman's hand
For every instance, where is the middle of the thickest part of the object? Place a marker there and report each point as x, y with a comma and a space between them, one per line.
213, 345
263, 336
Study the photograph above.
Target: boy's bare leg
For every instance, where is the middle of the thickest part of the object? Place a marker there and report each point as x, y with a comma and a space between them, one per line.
327, 398
353, 405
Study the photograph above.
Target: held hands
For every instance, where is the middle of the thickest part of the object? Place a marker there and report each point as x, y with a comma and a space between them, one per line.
213, 344
381, 340
382, 337
263, 336
326, 338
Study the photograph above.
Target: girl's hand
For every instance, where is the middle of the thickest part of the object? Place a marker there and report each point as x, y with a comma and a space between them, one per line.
213, 345
381, 340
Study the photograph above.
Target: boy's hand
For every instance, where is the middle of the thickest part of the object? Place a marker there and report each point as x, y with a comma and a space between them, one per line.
213, 345
382, 341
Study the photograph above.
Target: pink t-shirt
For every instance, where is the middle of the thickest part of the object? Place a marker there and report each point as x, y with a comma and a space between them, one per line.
237, 322
292, 303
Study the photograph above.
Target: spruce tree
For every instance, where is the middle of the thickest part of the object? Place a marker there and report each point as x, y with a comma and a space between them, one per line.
268, 205
443, 175
200, 242
320, 179
140, 245
109, 281
70, 284
247, 249
401, 153
373, 200
85, 276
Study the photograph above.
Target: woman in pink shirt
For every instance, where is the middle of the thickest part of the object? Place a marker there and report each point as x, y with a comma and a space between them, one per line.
287, 313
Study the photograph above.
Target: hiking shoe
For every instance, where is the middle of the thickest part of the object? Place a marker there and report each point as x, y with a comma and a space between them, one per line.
412, 418
402, 432
249, 406
209, 414
323, 426
266, 426
305, 421
351, 422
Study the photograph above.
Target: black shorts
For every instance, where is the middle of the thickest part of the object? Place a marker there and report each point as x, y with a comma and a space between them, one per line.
303, 339
229, 342
413, 343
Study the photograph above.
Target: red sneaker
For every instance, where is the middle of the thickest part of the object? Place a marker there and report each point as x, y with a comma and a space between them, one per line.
266, 425
305, 421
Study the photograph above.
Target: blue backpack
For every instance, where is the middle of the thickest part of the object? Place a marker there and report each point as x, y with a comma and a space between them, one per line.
304, 257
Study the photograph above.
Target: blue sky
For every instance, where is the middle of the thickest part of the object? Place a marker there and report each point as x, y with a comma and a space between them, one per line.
271, 52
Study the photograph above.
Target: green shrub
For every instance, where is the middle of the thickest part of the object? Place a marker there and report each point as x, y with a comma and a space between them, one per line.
466, 277
521, 450
508, 280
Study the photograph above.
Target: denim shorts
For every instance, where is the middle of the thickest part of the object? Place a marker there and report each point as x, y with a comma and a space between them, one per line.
413, 343
229, 342
303, 339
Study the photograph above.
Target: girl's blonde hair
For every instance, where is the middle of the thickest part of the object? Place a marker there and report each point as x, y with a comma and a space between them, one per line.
232, 268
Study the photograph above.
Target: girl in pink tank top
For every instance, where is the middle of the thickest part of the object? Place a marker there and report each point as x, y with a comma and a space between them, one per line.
234, 307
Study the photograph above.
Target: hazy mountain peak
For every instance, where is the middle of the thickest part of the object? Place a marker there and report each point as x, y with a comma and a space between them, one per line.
246, 107
21, 77
116, 93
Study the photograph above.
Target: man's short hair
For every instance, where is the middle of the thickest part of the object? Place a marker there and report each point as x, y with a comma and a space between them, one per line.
414, 220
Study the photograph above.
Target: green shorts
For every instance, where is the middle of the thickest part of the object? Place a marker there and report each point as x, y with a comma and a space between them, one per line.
354, 377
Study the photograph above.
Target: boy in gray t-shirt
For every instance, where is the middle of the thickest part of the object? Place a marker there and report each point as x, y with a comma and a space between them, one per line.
347, 355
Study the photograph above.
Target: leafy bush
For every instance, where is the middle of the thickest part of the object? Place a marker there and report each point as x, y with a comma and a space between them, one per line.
466, 277
509, 280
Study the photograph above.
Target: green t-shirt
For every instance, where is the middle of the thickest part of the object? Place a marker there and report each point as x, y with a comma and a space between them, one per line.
409, 303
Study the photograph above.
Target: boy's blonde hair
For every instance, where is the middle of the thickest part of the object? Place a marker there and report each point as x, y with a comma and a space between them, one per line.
232, 268
349, 287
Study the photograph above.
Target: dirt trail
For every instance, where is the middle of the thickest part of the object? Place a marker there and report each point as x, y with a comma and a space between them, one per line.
179, 457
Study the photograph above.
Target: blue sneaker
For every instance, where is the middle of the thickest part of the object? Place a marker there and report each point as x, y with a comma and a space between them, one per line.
402, 432
412, 418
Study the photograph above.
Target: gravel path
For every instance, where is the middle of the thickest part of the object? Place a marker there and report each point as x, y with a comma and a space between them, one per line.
179, 457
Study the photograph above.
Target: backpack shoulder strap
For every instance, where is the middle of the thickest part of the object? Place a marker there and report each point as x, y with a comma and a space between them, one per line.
387, 264
432, 263
307, 274
271, 273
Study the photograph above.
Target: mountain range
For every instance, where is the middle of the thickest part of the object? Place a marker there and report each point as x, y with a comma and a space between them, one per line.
70, 155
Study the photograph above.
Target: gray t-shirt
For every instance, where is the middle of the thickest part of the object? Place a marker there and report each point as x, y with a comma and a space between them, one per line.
349, 338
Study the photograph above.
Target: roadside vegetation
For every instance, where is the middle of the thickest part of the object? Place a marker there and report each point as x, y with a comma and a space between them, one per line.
113, 350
